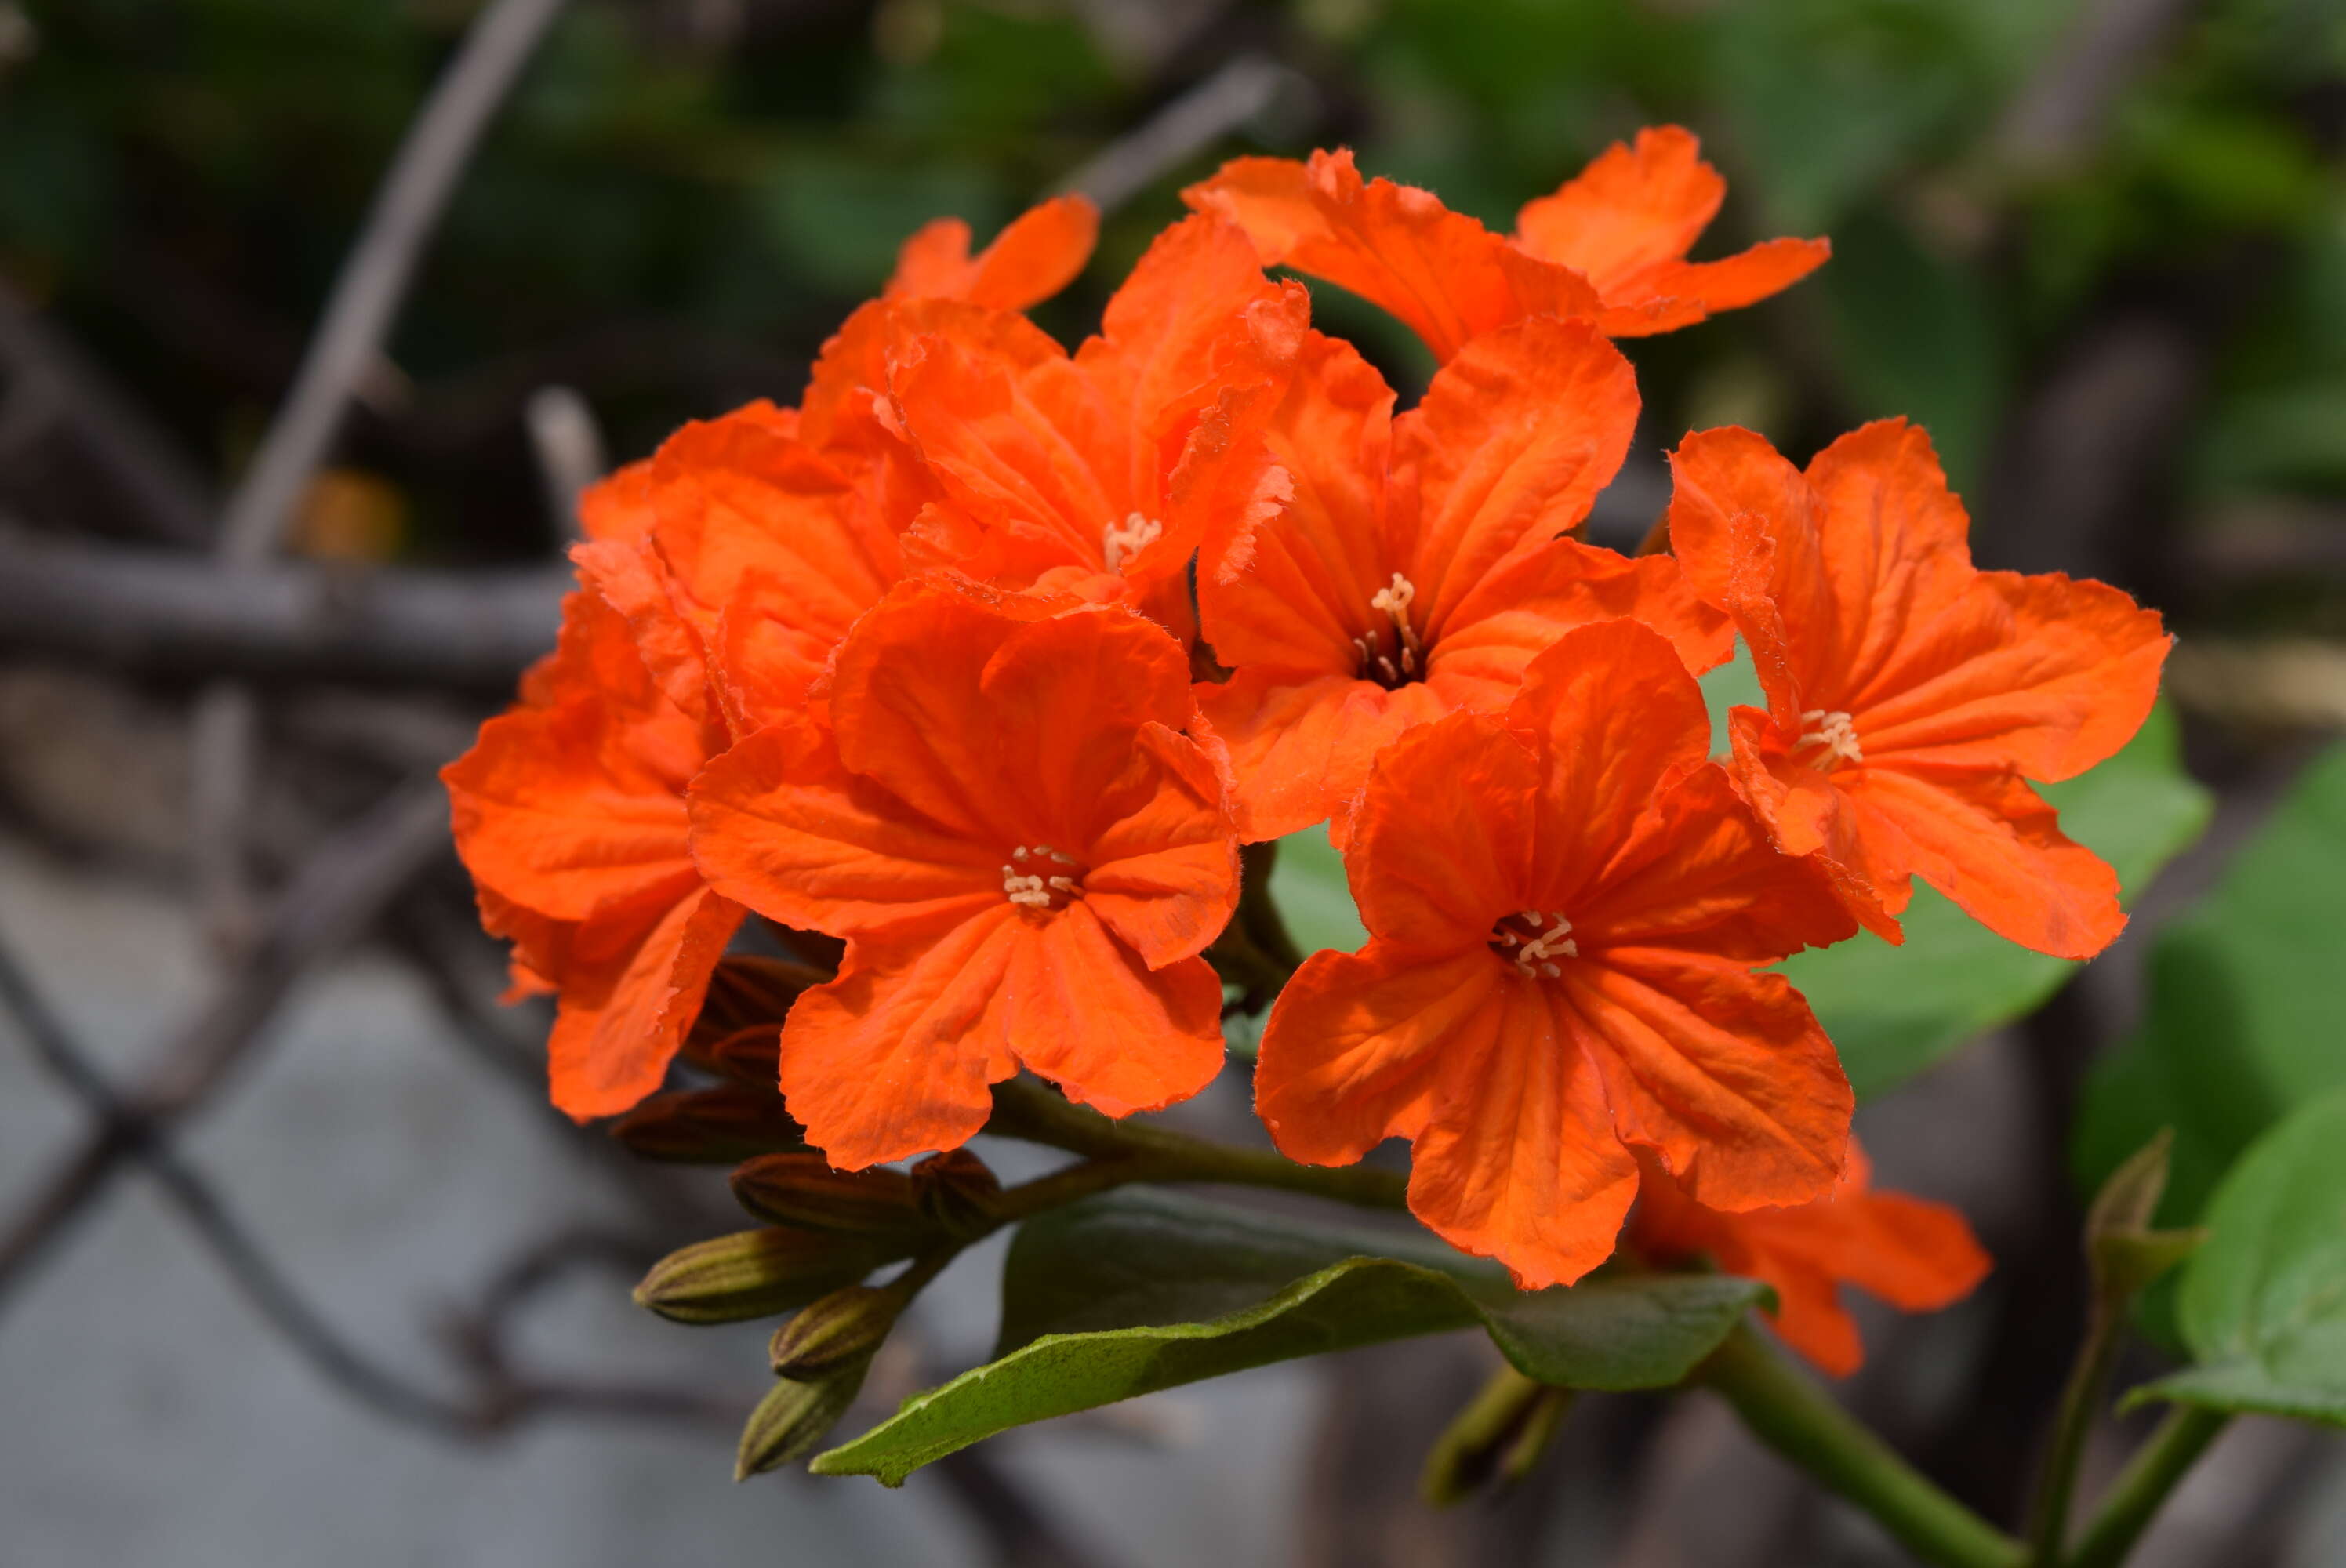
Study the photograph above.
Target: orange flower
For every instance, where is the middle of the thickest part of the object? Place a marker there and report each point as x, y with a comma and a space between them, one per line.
1609, 244
1408, 568
1917, 1256
1024, 851
1627, 221
1563, 908
569, 813
1909, 694
1097, 473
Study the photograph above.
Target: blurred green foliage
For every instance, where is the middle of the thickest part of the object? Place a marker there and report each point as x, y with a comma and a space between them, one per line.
723, 181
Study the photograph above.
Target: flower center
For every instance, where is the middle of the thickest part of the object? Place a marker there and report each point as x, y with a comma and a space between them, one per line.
1034, 878
1406, 662
1535, 941
1120, 541
1831, 729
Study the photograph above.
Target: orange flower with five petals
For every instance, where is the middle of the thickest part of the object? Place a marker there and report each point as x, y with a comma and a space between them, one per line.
1025, 849
1565, 909
1401, 569
1915, 1255
1910, 695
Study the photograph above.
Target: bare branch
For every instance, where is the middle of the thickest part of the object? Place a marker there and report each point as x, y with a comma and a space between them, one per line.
1196, 120
165, 492
329, 902
569, 448
2058, 117
374, 278
172, 615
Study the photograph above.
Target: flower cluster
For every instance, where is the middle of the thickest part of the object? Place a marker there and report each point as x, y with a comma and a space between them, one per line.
988, 657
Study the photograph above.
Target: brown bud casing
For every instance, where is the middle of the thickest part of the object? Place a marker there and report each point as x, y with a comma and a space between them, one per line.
722, 1125
758, 1273
748, 999
957, 1194
803, 1190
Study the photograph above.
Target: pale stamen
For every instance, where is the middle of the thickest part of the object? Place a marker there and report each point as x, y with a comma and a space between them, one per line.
1034, 889
1832, 730
1535, 956
1120, 541
1395, 601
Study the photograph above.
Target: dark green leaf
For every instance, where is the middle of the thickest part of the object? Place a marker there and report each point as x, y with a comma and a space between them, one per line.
2263, 1303
1894, 1011
2246, 995
1101, 1303
1308, 883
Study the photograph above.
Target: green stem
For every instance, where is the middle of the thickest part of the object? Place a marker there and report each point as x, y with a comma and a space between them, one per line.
1136, 1151
2081, 1400
2134, 1499
1259, 912
1792, 1415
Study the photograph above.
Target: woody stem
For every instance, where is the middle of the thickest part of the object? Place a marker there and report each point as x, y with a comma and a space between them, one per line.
1130, 1151
1800, 1420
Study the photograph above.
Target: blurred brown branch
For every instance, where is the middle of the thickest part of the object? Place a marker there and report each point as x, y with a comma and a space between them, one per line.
167, 613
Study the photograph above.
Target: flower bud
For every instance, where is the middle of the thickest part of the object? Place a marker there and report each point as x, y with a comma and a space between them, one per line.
803, 1190
740, 1018
844, 1326
1495, 1441
957, 1194
710, 1127
794, 1417
758, 1273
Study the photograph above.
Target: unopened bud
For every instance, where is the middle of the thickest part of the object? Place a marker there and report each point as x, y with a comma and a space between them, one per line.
957, 1194
740, 1019
722, 1125
803, 1190
758, 1273
793, 1418
845, 1326
1495, 1441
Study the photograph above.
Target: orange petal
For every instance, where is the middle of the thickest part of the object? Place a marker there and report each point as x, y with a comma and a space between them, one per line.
1809, 1315
1440, 271
1085, 1011
1443, 837
617, 1030
1301, 747
1806, 814
1356, 1045
1291, 586
1632, 208
1723, 1072
893, 1058
778, 824
1615, 717
1991, 844
2040, 674
1519, 1160
1035, 257
1733, 281
1522, 608
619, 506
1893, 543
1699, 872
1515, 438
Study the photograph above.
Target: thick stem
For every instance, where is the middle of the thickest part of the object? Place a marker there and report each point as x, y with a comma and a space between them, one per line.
2081, 1398
2135, 1498
1792, 1415
1259, 912
1138, 1151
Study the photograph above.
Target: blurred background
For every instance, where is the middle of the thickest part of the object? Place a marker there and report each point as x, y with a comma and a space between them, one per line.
294, 1262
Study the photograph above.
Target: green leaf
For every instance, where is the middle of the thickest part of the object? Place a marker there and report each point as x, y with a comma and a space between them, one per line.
2263, 1303
1306, 882
1137, 1291
1894, 1011
2246, 993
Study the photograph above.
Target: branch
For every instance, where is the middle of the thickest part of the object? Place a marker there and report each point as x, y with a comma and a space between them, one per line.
127, 450
153, 612
374, 277
329, 902
1196, 120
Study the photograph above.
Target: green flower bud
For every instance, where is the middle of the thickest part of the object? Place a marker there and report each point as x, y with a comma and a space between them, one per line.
803, 1190
710, 1127
796, 1416
844, 1326
759, 1273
